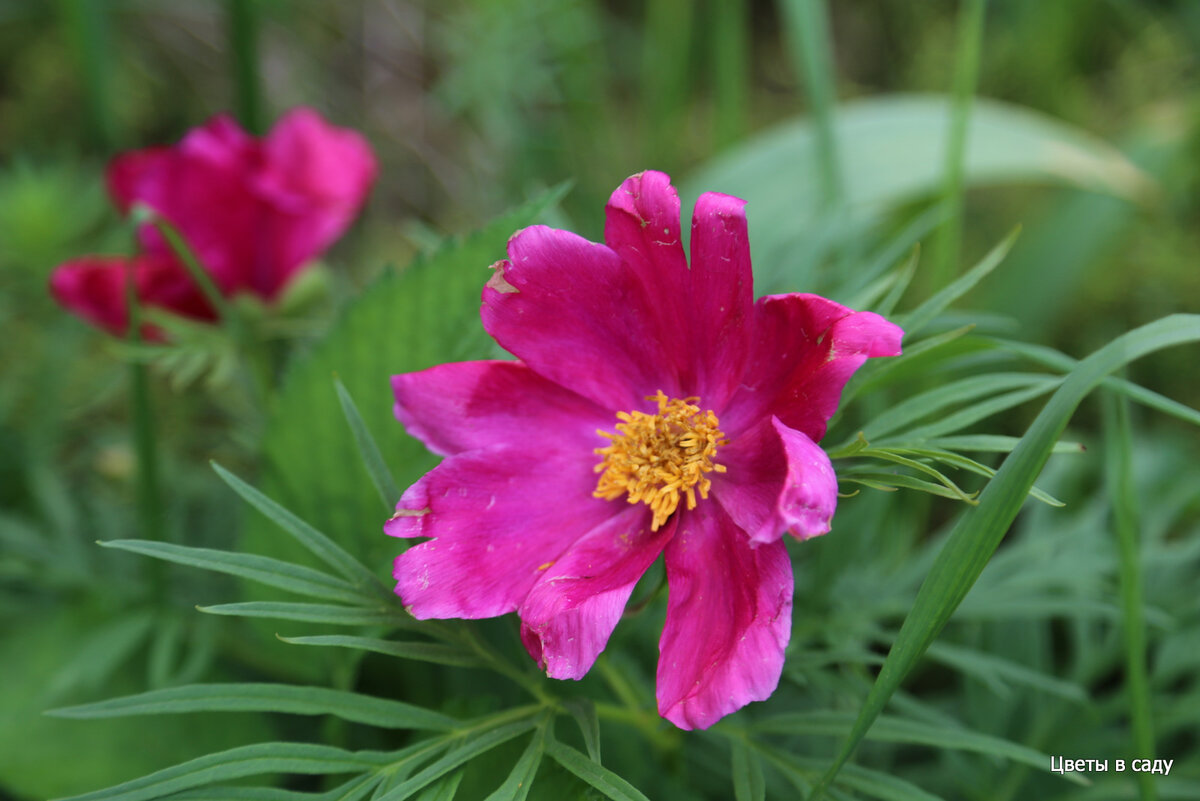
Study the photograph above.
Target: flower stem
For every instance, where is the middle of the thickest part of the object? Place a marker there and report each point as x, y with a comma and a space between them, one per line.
243, 41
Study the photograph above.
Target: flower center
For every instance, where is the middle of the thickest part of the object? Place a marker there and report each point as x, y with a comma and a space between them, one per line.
655, 457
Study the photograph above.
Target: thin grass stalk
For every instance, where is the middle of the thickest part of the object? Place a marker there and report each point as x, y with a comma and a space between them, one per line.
85, 26
665, 75
807, 26
243, 21
1119, 476
948, 245
730, 73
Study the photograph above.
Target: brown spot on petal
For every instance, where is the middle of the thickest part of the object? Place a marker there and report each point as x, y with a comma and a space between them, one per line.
410, 513
498, 282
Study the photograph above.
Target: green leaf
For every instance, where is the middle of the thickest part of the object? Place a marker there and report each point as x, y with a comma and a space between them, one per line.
516, 787
285, 698
332, 614
900, 730
317, 543
445, 790
921, 316
956, 421
998, 672
994, 443
598, 776
584, 712
422, 651
236, 763
352, 790
263, 569
475, 745
407, 320
980, 529
746, 768
891, 150
381, 477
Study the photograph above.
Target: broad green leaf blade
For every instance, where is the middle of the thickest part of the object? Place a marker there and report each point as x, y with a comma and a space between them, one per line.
317, 543
330, 614
236, 763
474, 745
286, 698
980, 529
747, 772
272, 572
891, 150
381, 477
603, 779
422, 651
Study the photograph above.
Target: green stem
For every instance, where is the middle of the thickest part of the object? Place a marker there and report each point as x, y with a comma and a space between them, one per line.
947, 247
243, 41
1119, 473
807, 23
85, 27
729, 71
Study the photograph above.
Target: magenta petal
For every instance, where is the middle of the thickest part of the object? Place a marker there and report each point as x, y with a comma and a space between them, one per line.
777, 480
579, 316
568, 616
466, 405
500, 517
728, 620
805, 349
722, 296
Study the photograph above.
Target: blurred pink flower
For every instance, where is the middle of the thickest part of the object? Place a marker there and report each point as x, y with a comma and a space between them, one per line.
654, 409
254, 211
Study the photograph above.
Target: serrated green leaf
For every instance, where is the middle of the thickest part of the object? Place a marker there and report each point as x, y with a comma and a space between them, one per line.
331, 614
265, 570
980, 529
237, 763
747, 773
285, 698
317, 543
598, 776
422, 651
406, 320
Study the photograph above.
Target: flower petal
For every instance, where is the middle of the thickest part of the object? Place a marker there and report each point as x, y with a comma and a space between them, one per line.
776, 480
805, 350
579, 316
95, 288
569, 614
722, 296
728, 620
466, 405
499, 517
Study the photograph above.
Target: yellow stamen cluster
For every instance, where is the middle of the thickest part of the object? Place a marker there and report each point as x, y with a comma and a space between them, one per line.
655, 457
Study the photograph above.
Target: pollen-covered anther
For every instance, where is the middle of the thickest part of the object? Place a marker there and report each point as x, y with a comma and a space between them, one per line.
654, 458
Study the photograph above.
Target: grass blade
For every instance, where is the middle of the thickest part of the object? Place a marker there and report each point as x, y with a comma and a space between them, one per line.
422, 651
372, 458
516, 787
236, 763
921, 316
263, 569
747, 772
330, 614
320, 545
980, 529
286, 698
1119, 474
603, 779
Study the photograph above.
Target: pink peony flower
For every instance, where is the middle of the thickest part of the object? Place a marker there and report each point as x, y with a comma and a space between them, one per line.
253, 211
653, 409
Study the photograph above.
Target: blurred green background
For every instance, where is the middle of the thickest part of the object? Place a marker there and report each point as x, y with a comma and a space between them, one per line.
473, 108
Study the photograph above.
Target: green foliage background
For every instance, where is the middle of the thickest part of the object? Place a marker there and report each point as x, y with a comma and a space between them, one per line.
940, 649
